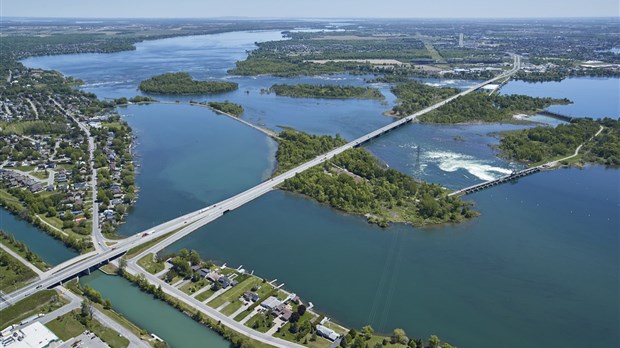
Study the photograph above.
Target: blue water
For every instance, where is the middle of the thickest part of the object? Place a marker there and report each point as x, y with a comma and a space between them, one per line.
49, 249
539, 267
592, 97
190, 158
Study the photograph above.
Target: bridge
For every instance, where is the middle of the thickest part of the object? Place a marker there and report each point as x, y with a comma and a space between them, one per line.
188, 223
556, 115
501, 180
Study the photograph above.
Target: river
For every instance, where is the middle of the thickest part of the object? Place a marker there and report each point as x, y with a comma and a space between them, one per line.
538, 267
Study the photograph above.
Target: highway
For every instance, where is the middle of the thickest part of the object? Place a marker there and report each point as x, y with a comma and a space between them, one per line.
190, 222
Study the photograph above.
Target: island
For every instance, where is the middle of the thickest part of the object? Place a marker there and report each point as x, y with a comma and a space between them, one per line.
583, 140
227, 107
182, 83
326, 91
474, 107
355, 182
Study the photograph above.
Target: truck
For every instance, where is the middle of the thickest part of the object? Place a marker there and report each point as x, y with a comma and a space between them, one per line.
148, 233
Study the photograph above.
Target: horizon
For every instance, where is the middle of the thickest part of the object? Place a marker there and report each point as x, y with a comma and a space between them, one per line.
318, 9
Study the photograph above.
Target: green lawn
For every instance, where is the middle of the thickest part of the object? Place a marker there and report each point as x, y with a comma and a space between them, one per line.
40, 175
235, 292
232, 307
260, 323
41, 302
205, 295
68, 326
192, 287
149, 265
14, 274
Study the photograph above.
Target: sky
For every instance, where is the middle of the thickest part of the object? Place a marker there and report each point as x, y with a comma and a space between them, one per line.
309, 8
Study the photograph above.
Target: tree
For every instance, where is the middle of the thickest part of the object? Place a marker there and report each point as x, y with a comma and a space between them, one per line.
433, 341
399, 336
86, 309
368, 331
294, 317
107, 304
301, 309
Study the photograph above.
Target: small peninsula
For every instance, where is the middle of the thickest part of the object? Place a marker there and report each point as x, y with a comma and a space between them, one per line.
326, 91
355, 182
227, 107
181, 83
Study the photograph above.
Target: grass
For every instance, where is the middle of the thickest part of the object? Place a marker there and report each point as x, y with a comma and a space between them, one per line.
205, 295
379, 339
69, 325
9, 198
192, 287
14, 274
235, 292
40, 175
263, 293
259, 323
137, 250
150, 265
232, 307
291, 336
109, 269
41, 302
24, 168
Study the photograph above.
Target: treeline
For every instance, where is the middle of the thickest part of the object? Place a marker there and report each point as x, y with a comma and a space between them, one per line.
295, 148
182, 83
414, 96
354, 182
545, 143
227, 107
326, 91
480, 107
560, 74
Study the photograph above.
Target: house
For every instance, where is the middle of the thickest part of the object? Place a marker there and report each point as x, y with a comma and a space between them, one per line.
251, 296
79, 186
203, 272
326, 332
213, 276
225, 281
271, 303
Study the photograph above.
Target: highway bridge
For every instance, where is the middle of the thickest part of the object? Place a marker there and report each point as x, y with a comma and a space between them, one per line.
190, 222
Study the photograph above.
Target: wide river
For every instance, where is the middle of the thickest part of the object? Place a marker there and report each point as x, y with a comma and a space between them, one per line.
539, 267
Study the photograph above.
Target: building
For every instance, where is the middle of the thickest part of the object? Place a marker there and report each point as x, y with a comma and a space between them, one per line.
34, 335
326, 332
251, 296
271, 303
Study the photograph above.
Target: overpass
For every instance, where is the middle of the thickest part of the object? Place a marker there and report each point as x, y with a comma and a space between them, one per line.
192, 221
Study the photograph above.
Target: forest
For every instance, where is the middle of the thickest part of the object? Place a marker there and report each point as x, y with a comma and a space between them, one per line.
181, 83
355, 182
481, 107
414, 96
326, 91
295, 148
227, 107
546, 143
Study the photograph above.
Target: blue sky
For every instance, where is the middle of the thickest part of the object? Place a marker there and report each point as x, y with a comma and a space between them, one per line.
309, 8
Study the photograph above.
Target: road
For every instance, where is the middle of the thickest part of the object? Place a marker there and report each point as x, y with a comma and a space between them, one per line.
210, 312
96, 235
